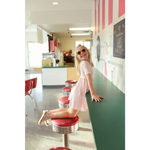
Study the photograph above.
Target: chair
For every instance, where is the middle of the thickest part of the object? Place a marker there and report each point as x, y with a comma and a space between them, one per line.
66, 91
65, 126
70, 83
63, 102
29, 85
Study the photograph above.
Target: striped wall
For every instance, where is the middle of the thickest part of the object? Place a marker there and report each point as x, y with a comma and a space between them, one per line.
106, 14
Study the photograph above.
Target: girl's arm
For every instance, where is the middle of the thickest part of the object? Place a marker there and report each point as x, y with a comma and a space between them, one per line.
93, 94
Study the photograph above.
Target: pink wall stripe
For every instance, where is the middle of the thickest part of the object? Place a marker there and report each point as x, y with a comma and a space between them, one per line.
103, 14
95, 17
110, 12
98, 16
121, 7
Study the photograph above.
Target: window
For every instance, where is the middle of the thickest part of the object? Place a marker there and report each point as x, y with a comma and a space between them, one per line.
79, 42
85, 43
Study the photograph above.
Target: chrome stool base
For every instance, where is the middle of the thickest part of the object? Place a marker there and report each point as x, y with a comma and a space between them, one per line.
67, 84
61, 105
65, 130
65, 93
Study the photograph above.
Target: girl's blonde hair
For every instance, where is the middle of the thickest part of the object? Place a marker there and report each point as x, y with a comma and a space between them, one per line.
78, 61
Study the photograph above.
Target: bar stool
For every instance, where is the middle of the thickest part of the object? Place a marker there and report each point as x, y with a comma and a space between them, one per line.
60, 148
70, 82
66, 91
63, 102
65, 126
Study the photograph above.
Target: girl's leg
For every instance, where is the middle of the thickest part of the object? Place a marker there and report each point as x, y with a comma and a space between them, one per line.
52, 111
57, 110
69, 113
62, 113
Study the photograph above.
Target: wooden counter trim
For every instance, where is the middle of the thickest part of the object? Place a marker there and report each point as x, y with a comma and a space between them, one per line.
37, 69
71, 74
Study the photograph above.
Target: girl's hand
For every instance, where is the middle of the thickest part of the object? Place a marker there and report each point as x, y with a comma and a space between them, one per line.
97, 98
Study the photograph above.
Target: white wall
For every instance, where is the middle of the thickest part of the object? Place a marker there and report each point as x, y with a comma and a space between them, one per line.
106, 35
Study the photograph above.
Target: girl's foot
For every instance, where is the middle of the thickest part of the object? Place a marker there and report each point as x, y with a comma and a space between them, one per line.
47, 123
44, 117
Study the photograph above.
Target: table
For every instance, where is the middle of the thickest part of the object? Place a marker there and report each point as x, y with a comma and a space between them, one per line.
107, 117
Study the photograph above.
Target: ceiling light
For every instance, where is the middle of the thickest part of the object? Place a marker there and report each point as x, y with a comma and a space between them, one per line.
88, 28
55, 3
81, 34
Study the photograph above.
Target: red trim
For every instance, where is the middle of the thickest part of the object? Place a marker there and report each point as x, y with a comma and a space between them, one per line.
95, 17
51, 45
110, 12
121, 8
103, 14
98, 16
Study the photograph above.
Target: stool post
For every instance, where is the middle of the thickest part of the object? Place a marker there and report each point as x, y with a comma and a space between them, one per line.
65, 138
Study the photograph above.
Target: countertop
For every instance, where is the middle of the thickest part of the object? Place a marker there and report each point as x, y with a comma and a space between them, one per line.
107, 117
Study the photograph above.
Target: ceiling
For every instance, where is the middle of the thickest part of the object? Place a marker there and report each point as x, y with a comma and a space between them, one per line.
57, 19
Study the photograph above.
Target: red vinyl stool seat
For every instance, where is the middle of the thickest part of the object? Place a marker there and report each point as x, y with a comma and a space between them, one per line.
60, 148
63, 102
70, 83
66, 91
65, 126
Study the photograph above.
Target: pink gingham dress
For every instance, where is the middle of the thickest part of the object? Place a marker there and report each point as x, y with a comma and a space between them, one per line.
77, 96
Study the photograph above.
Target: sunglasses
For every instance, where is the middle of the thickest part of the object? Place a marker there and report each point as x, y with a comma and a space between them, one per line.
79, 52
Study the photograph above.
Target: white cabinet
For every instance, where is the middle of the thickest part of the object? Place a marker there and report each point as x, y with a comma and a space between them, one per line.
54, 76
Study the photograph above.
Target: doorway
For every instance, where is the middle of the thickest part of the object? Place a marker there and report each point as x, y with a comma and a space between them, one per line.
35, 51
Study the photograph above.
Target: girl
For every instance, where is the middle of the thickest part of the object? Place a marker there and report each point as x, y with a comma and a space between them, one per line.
77, 97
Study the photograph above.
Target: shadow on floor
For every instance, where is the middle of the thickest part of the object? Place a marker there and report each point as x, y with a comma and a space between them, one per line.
88, 144
84, 129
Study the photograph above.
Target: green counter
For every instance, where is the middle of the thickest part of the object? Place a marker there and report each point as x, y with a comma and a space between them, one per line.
64, 66
107, 117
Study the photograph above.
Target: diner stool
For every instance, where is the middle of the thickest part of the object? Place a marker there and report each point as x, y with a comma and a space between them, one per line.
65, 126
70, 83
66, 91
60, 148
63, 102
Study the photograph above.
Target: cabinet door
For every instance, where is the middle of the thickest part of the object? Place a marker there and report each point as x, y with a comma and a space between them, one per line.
54, 76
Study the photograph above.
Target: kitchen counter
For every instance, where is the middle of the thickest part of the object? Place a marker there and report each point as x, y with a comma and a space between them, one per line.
54, 75
58, 75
